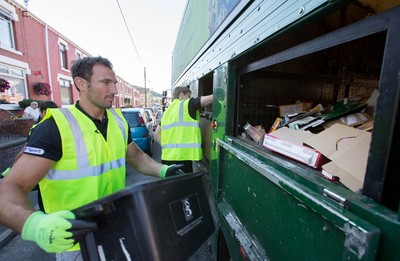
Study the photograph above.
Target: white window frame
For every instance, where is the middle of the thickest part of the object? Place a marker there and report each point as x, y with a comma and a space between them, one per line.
62, 77
12, 63
65, 43
9, 15
77, 52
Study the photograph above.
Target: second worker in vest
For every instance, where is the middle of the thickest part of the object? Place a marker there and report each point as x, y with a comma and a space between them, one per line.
179, 129
77, 155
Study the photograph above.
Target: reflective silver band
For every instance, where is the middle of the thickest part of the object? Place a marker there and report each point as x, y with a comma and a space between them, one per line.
120, 123
181, 146
80, 145
181, 111
85, 170
180, 122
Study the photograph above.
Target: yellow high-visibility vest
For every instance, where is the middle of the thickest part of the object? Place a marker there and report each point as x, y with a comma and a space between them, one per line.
90, 167
180, 133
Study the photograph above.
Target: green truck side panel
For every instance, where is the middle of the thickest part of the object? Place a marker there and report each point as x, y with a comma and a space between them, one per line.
192, 35
202, 22
283, 214
268, 207
247, 195
258, 22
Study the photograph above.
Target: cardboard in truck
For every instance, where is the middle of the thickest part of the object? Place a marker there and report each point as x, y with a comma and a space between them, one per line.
347, 148
289, 142
351, 120
298, 107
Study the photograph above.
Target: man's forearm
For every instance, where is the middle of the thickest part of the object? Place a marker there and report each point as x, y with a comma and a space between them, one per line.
14, 206
142, 162
206, 100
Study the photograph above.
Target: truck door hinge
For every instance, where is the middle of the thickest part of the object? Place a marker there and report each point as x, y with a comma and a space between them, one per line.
332, 195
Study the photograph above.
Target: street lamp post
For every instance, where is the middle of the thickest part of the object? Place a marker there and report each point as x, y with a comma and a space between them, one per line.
145, 89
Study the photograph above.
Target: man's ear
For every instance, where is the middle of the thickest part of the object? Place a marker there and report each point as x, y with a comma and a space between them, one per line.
181, 96
80, 83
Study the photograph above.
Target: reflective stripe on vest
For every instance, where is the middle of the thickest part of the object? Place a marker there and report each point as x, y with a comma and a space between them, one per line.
120, 122
185, 145
180, 122
83, 162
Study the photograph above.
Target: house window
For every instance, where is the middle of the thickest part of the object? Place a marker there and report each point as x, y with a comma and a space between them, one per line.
16, 78
6, 32
63, 55
66, 92
78, 55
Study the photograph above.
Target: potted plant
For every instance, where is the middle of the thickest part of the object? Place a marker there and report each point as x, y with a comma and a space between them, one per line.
42, 88
4, 85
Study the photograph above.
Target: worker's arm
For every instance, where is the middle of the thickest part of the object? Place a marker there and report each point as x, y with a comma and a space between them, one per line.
15, 206
146, 165
50, 231
206, 100
141, 161
158, 134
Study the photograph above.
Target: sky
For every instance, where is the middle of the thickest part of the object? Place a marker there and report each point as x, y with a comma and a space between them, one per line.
98, 27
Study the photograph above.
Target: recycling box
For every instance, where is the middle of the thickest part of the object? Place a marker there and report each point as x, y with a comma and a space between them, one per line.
166, 219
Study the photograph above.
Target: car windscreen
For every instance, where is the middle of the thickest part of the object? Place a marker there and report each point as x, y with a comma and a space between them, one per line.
132, 118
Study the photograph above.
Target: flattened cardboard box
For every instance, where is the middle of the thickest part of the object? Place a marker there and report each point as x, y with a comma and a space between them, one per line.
348, 149
351, 120
289, 142
294, 108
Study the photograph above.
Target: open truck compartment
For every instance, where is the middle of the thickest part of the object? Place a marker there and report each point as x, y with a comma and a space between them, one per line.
347, 71
280, 208
345, 76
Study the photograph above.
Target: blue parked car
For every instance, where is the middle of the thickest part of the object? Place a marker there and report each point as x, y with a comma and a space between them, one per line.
140, 133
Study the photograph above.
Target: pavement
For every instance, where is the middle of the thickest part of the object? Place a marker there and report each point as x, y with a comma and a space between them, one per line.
6, 236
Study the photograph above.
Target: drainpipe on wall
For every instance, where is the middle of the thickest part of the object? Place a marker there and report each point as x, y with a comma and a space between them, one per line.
46, 40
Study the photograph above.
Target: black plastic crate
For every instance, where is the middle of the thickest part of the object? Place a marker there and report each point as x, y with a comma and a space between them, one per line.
166, 219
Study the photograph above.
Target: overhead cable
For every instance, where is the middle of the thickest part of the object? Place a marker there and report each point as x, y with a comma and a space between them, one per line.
127, 28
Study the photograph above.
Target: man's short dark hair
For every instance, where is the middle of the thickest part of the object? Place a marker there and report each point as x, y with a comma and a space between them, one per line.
84, 67
177, 91
47, 104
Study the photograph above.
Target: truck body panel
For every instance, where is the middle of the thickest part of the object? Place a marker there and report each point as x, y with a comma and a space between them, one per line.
269, 53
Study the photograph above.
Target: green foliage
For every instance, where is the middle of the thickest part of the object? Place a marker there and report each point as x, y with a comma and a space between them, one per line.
26, 102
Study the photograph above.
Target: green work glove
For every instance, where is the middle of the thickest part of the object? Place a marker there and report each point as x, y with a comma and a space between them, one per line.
49, 231
171, 170
6, 172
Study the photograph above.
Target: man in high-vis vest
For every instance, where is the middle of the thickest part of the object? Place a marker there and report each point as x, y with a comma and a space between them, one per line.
77, 155
179, 129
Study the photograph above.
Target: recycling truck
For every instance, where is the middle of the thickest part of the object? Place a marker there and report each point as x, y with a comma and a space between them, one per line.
301, 143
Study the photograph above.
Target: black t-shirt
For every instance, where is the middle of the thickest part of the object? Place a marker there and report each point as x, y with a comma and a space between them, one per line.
45, 139
194, 106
